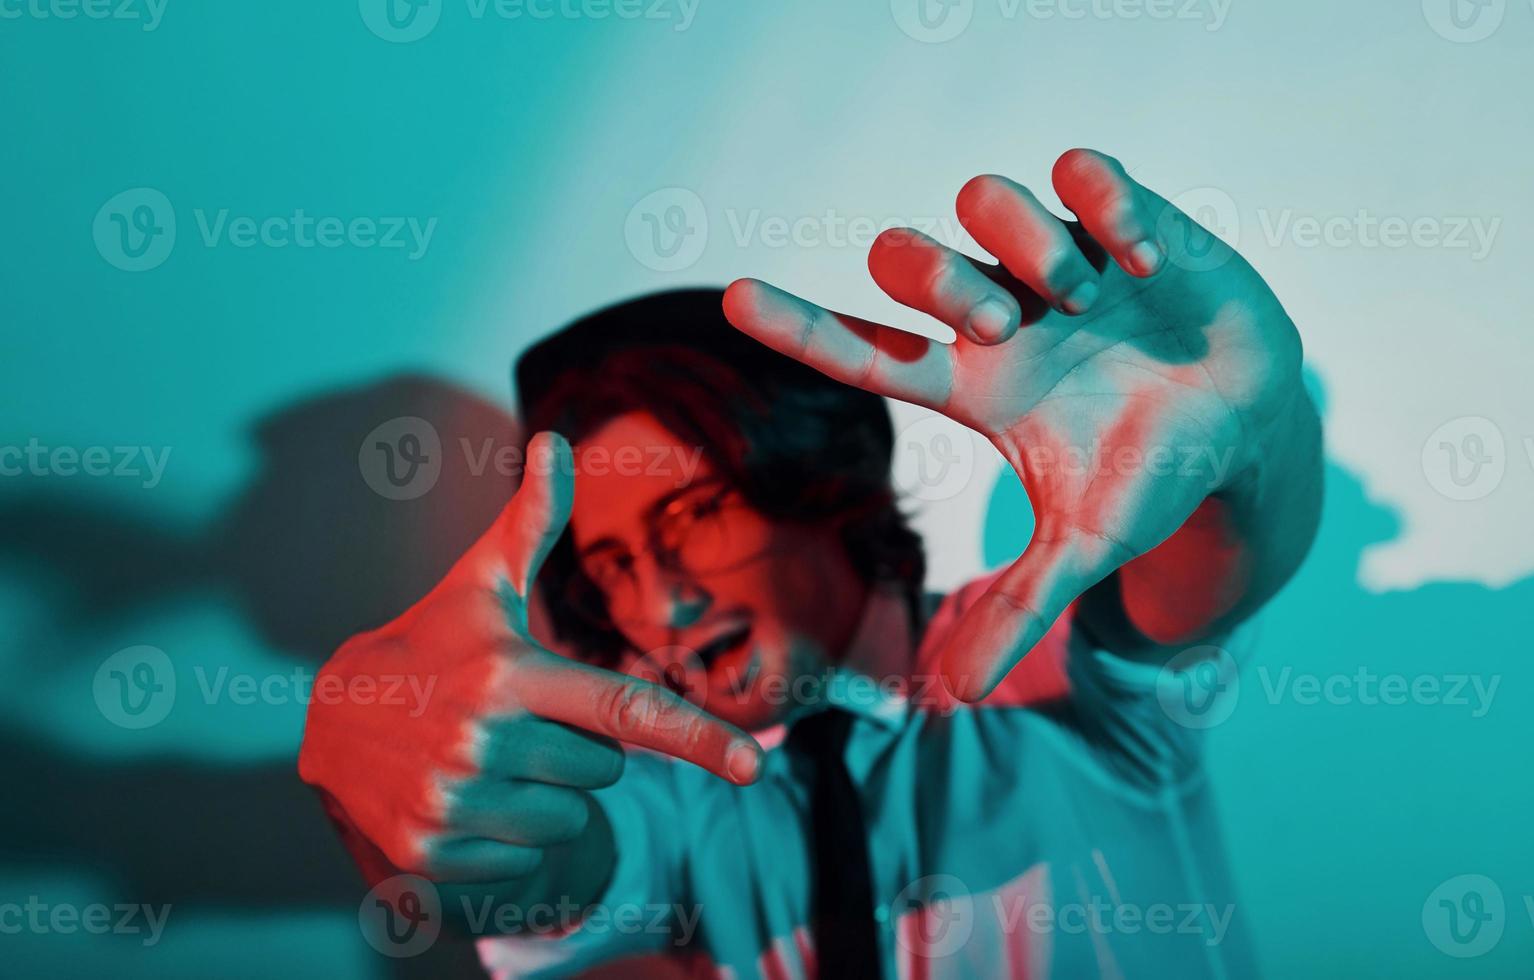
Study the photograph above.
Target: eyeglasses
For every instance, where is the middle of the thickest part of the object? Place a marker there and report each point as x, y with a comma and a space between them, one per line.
703, 529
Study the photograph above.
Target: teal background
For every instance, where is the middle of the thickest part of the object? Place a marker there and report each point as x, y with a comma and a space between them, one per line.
528, 141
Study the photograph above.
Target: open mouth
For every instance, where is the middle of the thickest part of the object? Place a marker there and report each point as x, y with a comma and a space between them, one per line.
725, 643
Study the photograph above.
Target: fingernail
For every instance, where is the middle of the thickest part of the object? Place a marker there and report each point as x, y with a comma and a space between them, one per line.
993, 318
740, 761
1146, 258
1081, 298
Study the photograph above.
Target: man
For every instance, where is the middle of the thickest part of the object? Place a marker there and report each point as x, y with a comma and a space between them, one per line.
853, 818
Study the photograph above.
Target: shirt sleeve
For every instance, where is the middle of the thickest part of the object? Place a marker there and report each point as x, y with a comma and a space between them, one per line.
1144, 722
636, 913
1147, 721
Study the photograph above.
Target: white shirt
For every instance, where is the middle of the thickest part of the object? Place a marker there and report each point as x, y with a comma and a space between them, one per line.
1060, 829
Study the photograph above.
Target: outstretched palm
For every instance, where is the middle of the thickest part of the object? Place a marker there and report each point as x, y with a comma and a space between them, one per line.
1126, 367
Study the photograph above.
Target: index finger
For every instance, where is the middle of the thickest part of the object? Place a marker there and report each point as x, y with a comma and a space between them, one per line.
866, 355
634, 710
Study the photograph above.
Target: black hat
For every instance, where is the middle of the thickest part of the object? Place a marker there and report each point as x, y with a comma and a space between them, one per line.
691, 318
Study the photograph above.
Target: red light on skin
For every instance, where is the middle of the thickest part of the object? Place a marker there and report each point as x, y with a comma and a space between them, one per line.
1176, 591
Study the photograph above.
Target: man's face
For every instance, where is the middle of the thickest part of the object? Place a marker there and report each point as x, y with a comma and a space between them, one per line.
693, 576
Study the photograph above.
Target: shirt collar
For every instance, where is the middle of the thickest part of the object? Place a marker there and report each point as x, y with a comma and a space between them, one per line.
872, 679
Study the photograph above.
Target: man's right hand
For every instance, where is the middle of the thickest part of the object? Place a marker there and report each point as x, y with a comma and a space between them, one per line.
471, 782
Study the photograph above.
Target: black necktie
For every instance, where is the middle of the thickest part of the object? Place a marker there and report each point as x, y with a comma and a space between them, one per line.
842, 903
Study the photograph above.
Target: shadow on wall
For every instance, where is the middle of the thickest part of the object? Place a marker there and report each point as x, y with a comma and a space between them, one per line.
1343, 813
344, 526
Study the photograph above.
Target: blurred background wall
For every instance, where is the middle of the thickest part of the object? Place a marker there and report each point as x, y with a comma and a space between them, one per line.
240, 237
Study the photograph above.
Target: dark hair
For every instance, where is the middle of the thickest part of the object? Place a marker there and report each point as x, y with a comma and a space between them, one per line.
800, 447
